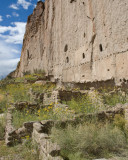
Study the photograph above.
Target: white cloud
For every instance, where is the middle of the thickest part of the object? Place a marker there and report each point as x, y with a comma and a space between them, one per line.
34, 5
15, 14
14, 6
7, 66
8, 51
1, 19
8, 58
25, 4
8, 16
15, 51
16, 32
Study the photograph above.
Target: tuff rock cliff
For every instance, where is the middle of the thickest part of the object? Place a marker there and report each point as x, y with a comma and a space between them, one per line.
77, 40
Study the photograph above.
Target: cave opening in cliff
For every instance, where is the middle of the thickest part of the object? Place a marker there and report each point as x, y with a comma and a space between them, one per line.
66, 48
67, 59
101, 48
72, 1
83, 55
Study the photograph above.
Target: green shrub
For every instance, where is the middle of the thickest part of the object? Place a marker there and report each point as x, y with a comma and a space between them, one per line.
38, 74
84, 104
26, 73
73, 156
40, 88
18, 92
119, 121
90, 139
39, 71
3, 104
2, 127
25, 116
26, 151
115, 97
5, 82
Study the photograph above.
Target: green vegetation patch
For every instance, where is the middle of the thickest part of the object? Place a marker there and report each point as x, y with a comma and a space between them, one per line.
26, 116
85, 104
2, 126
18, 92
26, 151
89, 140
41, 88
115, 97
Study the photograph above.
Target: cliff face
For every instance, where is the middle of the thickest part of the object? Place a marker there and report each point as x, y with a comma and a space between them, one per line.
77, 40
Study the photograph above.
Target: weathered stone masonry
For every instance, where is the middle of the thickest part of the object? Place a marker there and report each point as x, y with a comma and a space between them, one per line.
77, 41
40, 131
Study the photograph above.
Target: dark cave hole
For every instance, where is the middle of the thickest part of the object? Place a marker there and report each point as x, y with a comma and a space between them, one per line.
83, 55
100, 47
67, 59
66, 48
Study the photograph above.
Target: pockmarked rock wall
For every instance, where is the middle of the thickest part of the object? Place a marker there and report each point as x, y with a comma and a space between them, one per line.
77, 40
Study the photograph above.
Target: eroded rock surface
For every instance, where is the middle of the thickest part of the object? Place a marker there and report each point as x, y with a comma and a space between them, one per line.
77, 40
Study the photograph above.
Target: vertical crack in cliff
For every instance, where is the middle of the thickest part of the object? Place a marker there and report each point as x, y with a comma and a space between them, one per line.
51, 35
91, 15
92, 42
47, 14
93, 31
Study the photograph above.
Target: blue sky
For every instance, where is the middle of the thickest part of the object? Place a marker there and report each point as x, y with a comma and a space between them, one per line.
13, 18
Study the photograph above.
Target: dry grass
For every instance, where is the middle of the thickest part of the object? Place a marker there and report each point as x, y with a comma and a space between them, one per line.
26, 151
89, 140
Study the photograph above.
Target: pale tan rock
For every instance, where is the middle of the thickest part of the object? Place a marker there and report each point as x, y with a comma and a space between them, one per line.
41, 82
38, 127
78, 41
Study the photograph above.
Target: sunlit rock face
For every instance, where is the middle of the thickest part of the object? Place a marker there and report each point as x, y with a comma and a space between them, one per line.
77, 40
